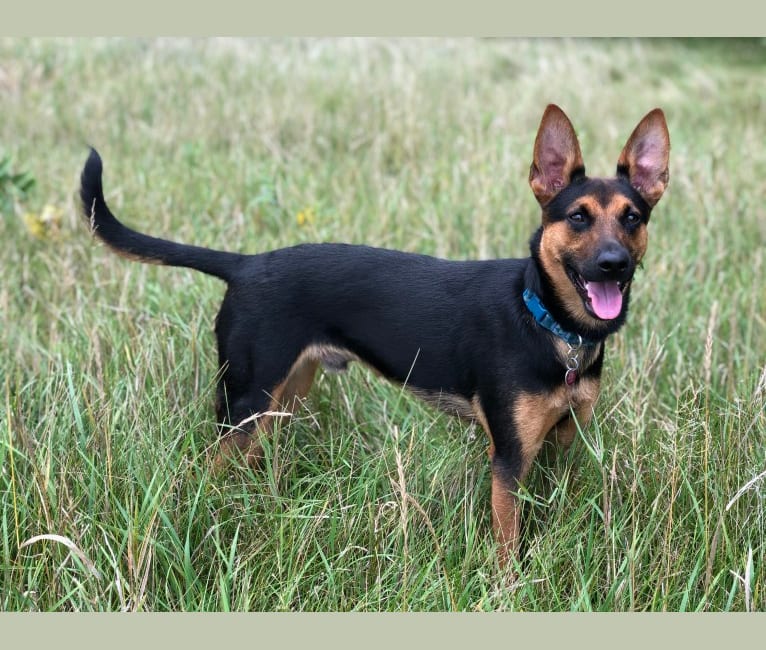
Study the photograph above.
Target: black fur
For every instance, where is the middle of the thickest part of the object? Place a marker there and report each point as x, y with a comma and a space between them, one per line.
134, 244
450, 329
444, 326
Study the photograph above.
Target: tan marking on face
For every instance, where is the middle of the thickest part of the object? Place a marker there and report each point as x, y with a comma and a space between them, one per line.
634, 242
606, 225
556, 241
560, 240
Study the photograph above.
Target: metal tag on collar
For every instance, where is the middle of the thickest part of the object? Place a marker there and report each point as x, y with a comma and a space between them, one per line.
573, 362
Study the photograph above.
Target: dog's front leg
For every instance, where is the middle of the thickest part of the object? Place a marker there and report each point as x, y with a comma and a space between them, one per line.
564, 431
516, 431
506, 512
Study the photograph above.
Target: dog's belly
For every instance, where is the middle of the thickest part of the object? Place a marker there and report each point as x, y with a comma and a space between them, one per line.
336, 359
451, 403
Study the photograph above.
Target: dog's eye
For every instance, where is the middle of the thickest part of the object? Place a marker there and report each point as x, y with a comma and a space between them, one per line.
577, 218
633, 219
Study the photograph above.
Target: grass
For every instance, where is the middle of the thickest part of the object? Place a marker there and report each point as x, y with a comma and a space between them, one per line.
369, 500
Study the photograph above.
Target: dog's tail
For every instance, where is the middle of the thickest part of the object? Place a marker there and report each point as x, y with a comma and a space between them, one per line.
136, 246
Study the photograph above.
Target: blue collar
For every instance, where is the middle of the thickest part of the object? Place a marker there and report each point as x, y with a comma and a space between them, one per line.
544, 318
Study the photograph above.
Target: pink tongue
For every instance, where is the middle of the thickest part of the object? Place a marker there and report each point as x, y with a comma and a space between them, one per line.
605, 298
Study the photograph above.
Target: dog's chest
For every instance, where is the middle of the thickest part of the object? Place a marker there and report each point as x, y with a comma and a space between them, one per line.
575, 361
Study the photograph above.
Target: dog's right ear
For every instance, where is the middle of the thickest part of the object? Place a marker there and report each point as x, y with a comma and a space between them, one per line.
556, 155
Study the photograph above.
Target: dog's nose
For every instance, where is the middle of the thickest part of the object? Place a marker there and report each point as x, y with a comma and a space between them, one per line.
613, 260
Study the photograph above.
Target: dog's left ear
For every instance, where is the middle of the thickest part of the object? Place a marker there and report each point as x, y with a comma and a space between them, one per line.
644, 160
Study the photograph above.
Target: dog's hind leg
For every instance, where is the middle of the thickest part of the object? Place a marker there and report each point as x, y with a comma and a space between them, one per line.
250, 399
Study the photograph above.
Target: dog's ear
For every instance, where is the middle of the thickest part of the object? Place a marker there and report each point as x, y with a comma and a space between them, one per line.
644, 160
556, 155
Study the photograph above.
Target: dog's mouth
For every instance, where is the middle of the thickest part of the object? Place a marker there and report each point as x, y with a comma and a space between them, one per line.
602, 299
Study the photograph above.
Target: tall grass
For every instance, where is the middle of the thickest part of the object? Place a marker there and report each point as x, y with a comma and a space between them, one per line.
369, 500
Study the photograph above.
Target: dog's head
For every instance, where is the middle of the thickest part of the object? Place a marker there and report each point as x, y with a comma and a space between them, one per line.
594, 230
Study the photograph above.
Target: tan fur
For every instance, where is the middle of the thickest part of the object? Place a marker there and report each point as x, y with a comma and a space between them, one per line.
481, 418
535, 415
606, 226
557, 240
132, 256
505, 518
529, 418
286, 397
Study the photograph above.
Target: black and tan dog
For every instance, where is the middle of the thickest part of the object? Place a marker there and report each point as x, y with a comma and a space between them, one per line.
516, 344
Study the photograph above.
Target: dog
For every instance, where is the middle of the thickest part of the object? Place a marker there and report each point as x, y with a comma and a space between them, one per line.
515, 344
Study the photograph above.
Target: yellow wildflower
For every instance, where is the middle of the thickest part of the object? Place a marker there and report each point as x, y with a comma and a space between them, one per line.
44, 224
306, 217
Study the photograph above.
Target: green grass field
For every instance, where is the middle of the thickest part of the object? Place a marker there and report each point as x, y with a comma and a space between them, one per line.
369, 500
